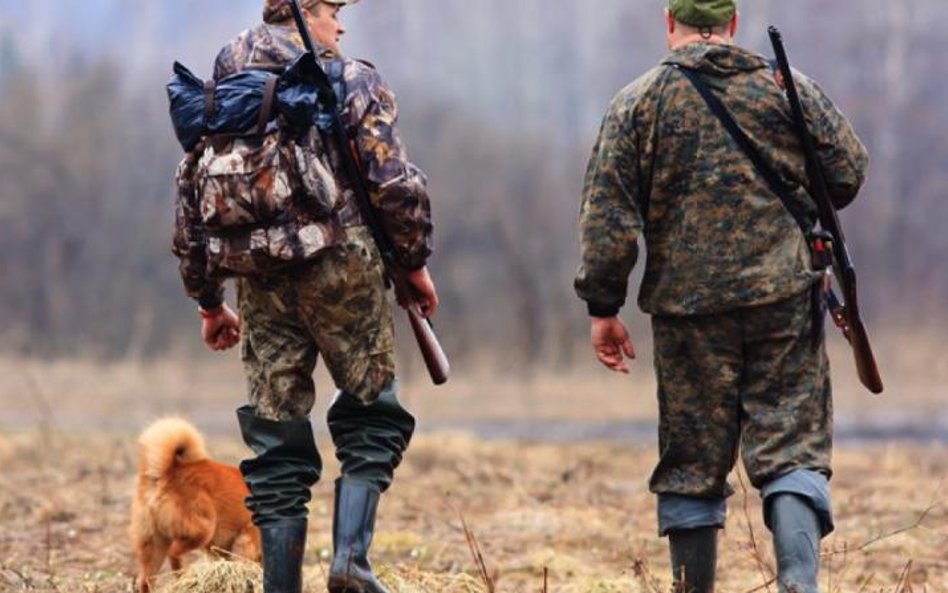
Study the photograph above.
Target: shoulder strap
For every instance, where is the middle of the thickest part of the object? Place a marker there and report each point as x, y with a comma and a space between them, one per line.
209, 106
773, 180
266, 107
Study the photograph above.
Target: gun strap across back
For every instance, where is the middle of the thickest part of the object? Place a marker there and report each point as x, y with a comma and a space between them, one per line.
774, 182
777, 186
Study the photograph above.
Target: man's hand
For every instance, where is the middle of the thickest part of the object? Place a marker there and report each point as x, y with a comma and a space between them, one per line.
220, 328
610, 340
423, 295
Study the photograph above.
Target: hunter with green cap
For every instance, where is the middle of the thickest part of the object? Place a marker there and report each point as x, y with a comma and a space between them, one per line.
729, 282
311, 285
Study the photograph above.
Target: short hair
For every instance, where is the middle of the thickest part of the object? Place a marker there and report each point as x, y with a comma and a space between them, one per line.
722, 30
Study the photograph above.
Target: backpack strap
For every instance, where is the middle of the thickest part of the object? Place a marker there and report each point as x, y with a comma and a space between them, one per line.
774, 182
266, 108
209, 106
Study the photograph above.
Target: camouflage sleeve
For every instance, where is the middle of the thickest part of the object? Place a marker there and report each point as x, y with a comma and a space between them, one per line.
610, 220
844, 158
189, 243
398, 188
224, 63
233, 55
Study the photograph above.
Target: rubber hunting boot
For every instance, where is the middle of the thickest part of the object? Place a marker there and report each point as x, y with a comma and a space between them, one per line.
796, 532
694, 556
352, 530
283, 545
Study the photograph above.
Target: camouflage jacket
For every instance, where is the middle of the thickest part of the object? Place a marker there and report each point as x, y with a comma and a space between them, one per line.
665, 168
397, 187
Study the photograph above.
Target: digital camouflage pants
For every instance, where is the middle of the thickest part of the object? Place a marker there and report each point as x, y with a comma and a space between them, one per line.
336, 307
749, 381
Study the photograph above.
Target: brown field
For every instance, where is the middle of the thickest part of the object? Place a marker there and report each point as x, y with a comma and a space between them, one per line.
578, 510
581, 511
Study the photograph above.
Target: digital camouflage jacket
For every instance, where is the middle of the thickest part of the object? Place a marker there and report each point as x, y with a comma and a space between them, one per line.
665, 168
397, 188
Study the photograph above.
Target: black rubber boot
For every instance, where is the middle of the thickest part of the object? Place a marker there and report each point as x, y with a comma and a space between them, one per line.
283, 545
694, 557
796, 531
352, 529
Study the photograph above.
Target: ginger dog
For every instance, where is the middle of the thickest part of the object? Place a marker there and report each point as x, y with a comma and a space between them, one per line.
185, 501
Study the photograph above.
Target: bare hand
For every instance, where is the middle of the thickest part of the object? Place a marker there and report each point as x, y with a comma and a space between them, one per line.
220, 328
423, 295
610, 340
778, 78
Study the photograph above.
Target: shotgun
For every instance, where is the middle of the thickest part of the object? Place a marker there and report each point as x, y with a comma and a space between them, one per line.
433, 354
846, 313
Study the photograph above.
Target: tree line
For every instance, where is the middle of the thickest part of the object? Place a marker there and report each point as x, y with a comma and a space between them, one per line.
86, 169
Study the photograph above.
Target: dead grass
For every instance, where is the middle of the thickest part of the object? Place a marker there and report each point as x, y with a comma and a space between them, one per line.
579, 511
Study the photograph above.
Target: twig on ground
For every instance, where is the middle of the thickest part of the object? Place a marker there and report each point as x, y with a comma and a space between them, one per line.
475, 547
766, 585
900, 585
884, 536
758, 557
644, 575
865, 585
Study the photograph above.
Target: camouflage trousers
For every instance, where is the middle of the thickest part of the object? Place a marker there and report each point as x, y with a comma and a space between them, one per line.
749, 381
335, 306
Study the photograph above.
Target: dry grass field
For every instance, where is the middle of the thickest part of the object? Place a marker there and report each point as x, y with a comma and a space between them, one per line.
543, 469
580, 512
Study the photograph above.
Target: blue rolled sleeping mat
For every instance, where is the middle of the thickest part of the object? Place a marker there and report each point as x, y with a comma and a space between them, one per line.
233, 104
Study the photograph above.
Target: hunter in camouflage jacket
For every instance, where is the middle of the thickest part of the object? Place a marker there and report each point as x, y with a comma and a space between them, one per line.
397, 187
717, 238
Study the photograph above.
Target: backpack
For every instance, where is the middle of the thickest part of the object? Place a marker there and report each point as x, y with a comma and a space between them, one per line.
261, 161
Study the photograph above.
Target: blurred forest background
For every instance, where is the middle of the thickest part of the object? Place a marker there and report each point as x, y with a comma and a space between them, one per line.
500, 103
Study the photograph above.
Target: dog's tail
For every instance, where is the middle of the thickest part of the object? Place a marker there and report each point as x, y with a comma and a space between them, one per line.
169, 442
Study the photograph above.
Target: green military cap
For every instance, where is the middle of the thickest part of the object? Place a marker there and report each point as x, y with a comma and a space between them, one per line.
703, 13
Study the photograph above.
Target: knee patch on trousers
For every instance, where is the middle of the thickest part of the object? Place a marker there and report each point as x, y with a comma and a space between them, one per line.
677, 512
811, 486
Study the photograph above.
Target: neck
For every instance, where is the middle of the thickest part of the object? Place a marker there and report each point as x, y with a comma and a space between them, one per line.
698, 38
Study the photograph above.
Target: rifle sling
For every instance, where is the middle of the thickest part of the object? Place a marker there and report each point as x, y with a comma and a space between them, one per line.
774, 182
776, 185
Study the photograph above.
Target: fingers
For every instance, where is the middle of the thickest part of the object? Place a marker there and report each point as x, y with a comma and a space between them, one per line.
429, 305
228, 338
223, 337
628, 349
612, 358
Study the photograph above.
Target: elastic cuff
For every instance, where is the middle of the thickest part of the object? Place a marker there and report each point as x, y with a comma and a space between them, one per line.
597, 310
415, 266
676, 513
811, 486
210, 301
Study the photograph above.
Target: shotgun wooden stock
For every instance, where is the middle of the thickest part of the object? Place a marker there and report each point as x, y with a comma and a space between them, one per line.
435, 359
847, 317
